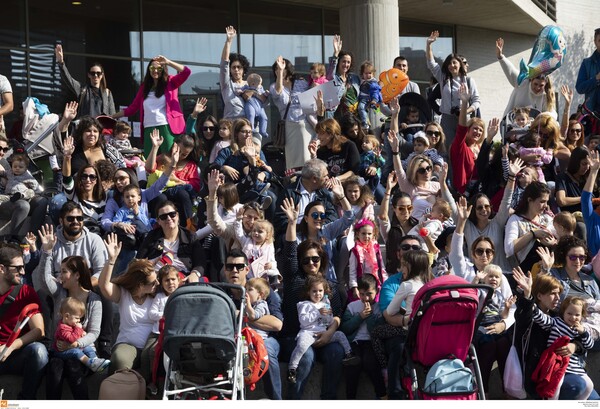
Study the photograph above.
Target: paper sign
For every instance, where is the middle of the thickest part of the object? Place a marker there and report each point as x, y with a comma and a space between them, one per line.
330, 97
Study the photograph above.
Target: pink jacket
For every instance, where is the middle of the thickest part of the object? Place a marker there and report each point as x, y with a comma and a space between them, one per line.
174, 113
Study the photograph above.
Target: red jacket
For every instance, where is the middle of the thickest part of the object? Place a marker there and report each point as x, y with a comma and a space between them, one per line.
550, 369
462, 159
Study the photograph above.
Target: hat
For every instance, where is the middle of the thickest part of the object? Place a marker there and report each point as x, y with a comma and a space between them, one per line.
421, 135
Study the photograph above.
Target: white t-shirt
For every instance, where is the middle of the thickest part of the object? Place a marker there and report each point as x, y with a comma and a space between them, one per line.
155, 110
173, 247
136, 324
4, 88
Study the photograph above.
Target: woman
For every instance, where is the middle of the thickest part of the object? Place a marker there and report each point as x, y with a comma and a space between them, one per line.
549, 131
176, 243
483, 221
299, 261
569, 184
437, 138
94, 97
451, 75
340, 71
482, 254
231, 78
74, 281
575, 135
350, 128
340, 154
209, 136
158, 103
536, 93
89, 147
530, 227
545, 292
417, 179
133, 292
284, 93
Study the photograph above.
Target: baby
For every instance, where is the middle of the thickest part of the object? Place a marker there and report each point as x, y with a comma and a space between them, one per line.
257, 291
20, 182
369, 92
413, 117
253, 108
532, 153
431, 225
134, 212
317, 75
421, 146
371, 161
520, 125
120, 140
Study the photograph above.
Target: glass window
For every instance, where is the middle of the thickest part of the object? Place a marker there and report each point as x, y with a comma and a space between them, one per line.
12, 29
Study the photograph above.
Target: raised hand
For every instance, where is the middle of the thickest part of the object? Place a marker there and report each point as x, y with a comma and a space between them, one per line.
313, 147
249, 150
70, 111
280, 63
68, 146
175, 152
393, 140
290, 210
463, 209
113, 247
215, 179
546, 256
499, 47
337, 45
463, 93
58, 52
320, 104
524, 281
510, 301
200, 106
47, 237
30, 239
162, 60
493, 128
515, 166
594, 160
156, 138
230, 33
433, 36
567, 94
394, 106
336, 187
443, 175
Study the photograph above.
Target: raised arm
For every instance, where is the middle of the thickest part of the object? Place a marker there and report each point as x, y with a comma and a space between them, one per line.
42, 275
567, 94
430, 40
68, 149
109, 290
73, 85
291, 211
230, 34
157, 140
457, 256
509, 69
161, 59
279, 72
464, 96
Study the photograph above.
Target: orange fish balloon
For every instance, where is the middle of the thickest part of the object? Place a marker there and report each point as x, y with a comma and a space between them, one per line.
393, 82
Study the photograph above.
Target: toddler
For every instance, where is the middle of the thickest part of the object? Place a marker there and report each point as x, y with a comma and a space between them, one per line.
163, 162
519, 126
134, 212
120, 140
315, 316
524, 178
408, 128
371, 161
317, 75
532, 153
257, 291
229, 205
365, 257
569, 323
225, 129
259, 249
564, 224
20, 183
431, 225
369, 92
421, 147
254, 107
70, 330
593, 142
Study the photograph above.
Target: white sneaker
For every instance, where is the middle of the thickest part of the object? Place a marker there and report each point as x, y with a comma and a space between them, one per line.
98, 364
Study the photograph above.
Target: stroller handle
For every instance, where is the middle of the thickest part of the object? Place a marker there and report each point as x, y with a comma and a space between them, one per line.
27, 312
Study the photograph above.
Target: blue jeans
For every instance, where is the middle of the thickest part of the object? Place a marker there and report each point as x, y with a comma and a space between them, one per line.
29, 362
395, 348
254, 110
330, 356
76, 353
572, 386
272, 382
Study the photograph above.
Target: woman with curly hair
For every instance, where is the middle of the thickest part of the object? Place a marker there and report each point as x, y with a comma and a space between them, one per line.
340, 154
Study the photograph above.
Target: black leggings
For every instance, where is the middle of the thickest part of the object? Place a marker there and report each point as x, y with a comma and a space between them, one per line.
74, 372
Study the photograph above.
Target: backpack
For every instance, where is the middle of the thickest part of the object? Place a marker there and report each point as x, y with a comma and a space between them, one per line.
124, 384
449, 376
258, 357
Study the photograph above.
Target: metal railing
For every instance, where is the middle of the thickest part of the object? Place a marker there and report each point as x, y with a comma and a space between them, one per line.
547, 6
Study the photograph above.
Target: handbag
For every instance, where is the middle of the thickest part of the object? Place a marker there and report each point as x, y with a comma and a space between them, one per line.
279, 139
124, 384
513, 373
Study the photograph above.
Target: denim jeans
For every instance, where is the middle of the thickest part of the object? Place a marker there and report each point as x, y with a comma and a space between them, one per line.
572, 386
395, 348
272, 382
76, 353
330, 356
29, 362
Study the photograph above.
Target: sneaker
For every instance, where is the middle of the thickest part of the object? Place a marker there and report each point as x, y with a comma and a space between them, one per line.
263, 191
98, 364
291, 376
266, 202
351, 360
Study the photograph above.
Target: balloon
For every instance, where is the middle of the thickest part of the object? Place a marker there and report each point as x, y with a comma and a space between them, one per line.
547, 54
394, 81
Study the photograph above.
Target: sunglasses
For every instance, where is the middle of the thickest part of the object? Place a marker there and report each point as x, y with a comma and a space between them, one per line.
165, 216
576, 257
5, 149
484, 207
317, 215
480, 252
18, 268
71, 219
404, 208
575, 130
423, 171
89, 176
437, 134
407, 247
156, 69
208, 128
95, 73
308, 260
237, 266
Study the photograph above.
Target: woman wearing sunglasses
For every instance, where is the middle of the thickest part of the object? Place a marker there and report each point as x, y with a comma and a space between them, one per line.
158, 103
209, 133
94, 97
298, 262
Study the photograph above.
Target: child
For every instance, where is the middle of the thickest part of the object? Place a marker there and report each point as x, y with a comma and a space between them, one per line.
572, 312
257, 291
70, 330
358, 321
371, 161
229, 205
369, 92
317, 75
593, 142
120, 140
421, 146
360, 197
520, 125
524, 179
498, 308
564, 224
259, 249
20, 182
431, 225
413, 117
532, 153
365, 257
225, 128
441, 266
315, 316
133, 212
163, 162
253, 108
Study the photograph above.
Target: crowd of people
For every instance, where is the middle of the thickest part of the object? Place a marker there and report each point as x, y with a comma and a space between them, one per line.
199, 202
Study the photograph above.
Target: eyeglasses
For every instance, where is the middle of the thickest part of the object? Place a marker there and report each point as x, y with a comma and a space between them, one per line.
246, 131
165, 216
314, 260
156, 69
404, 208
573, 130
96, 73
407, 247
71, 219
437, 134
18, 268
237, 67
6, 149
237, 266
480, 252
484, 207
317, 215
89, 176
208, 128
574, 257
423, 171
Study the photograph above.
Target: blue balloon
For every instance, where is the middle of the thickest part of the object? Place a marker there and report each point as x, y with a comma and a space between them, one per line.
547, 54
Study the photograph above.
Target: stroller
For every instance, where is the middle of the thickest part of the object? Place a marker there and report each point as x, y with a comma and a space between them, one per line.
446, 313
413, 99
509, 130
203, 343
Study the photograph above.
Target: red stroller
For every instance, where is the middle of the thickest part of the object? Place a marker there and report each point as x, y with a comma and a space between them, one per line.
445, 315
